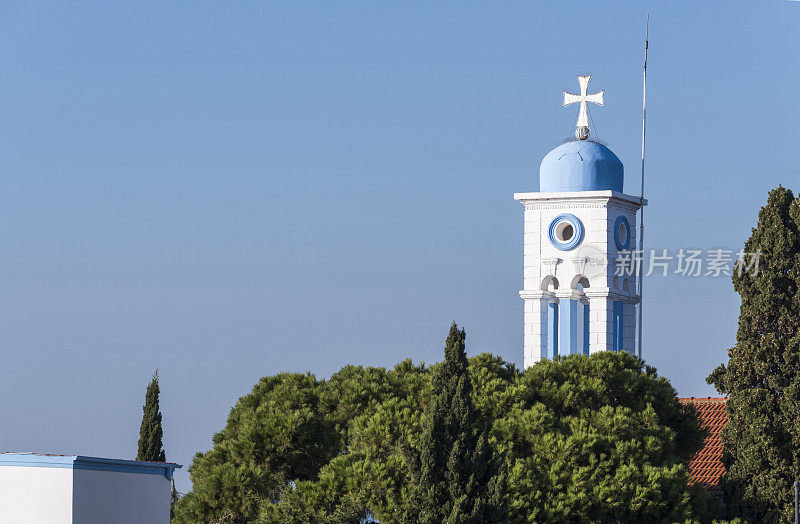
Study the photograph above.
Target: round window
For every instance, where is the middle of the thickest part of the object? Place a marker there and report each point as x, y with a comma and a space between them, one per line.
566, 231
622, 233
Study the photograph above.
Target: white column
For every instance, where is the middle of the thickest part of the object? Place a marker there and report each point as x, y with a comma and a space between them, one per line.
552, 329
535, 326
601, 323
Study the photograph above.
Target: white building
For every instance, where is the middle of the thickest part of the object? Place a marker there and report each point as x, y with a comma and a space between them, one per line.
56, 489
578, 227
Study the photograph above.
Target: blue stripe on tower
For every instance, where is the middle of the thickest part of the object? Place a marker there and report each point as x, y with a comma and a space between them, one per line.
568, 328
586, 329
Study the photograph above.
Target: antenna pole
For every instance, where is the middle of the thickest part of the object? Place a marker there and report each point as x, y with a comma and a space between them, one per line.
641, 194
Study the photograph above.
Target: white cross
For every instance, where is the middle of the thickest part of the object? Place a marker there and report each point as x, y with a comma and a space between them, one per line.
583, 115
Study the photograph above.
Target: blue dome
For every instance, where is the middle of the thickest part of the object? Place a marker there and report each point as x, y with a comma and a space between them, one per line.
581, 165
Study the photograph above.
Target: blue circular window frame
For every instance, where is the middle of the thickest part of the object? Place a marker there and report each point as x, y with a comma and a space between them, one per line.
577, 226
622, 246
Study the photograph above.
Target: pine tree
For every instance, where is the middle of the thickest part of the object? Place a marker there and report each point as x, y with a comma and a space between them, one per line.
582, 439
456, 470
151, 447
762, 378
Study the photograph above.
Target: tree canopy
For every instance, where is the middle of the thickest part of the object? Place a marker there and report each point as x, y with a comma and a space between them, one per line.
762, 377
600, 438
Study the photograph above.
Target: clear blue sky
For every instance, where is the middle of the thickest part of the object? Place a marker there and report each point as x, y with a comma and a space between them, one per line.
226, 190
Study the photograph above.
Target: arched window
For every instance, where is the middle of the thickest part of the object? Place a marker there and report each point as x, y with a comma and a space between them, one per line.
549, 283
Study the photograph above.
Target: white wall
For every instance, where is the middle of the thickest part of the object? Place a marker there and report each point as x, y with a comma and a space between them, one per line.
101, 497
34, 495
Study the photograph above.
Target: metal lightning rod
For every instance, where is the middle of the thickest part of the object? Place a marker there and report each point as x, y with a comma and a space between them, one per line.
641, 195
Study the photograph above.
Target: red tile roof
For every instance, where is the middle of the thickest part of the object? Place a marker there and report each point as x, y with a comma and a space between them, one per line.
706, 467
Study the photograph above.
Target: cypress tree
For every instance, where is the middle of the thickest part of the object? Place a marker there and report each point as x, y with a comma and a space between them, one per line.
151, 447
456, 463
173, 500
762, 378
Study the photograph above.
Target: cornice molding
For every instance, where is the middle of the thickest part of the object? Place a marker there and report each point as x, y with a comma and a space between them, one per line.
536, 294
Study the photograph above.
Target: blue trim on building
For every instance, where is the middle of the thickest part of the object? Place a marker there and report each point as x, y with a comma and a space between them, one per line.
88, 463
37, 461
577, 227
585, 348
622, 243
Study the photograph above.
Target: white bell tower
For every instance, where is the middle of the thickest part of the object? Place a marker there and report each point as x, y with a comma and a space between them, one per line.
579, 227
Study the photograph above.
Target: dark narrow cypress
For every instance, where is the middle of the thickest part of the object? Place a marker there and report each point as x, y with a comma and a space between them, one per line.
173, 499
151, 446
456, 464
762, 377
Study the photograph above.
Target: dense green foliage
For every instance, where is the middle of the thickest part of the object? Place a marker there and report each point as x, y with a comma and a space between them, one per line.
151, 446
173, 499
457, 480
600, 438
762, 378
